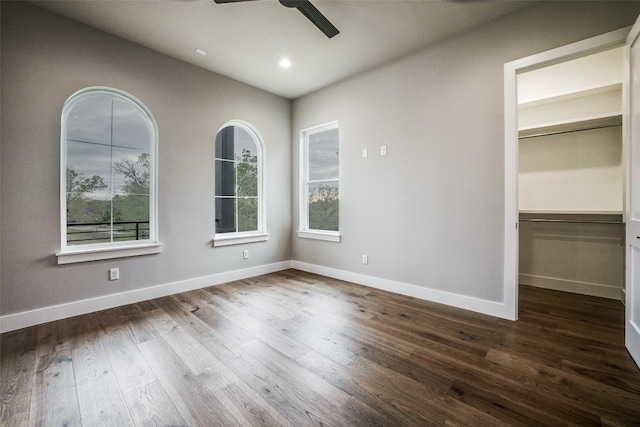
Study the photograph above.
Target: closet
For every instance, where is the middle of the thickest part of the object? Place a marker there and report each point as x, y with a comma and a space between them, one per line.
571, 191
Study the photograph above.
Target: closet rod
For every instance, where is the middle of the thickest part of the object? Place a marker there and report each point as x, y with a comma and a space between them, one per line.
559, 132
573, 221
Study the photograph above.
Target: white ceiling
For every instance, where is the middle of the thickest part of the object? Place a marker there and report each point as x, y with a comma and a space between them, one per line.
245, 41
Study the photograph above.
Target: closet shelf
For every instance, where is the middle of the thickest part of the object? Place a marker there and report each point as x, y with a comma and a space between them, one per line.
615, 86
587, 108
574, 217
567, 212
585, 123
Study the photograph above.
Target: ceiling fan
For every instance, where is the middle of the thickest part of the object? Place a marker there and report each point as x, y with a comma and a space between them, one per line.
307, 9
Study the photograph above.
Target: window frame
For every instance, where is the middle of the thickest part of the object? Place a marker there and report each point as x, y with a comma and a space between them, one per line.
303, 222
99, 251
260, 234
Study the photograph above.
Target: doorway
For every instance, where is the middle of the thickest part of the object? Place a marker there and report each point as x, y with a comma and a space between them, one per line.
513, 70
570, 180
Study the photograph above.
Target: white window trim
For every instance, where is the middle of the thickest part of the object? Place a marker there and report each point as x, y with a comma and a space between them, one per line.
73, 254
327, 236
259, 235
239, 238
84, 255
304, 231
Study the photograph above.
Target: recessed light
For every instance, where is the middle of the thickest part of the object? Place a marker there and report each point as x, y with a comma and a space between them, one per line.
285, 63
201, 52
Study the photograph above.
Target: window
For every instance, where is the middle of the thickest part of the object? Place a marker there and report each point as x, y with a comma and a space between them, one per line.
239, 181
320, 191
108, 179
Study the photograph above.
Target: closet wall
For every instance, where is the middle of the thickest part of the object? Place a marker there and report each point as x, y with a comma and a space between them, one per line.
571, 176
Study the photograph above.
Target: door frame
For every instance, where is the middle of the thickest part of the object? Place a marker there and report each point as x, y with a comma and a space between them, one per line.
511, 70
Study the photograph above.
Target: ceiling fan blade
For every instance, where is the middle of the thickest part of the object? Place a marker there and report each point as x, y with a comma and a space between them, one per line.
315, 16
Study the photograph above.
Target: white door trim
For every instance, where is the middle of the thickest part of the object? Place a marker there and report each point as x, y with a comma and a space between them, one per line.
511, 70
632, 142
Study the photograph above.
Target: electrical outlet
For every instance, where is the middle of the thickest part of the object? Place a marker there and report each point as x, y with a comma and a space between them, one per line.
245, 254
365, 153
383, 150
365, 259
114, 274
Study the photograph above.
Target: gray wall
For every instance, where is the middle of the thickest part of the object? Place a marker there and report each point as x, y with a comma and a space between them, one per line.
45, 59
431, 212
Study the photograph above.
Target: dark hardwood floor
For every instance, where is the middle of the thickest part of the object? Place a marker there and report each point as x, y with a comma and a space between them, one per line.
295, 349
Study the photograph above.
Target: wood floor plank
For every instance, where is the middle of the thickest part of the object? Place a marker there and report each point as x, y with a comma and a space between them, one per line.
256, 401
512, 410
17, 369
196, 404
150, 405
297, 349
323, 339
270, 386
128, 364
363, 334
356, 412
276, 339
566, 386
182, 315
368, 389
141, 328
54, 400
313, 388
493, 378
99, 396
222, 326
243, 408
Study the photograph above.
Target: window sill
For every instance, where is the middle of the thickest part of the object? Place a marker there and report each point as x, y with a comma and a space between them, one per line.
83, 255
236, 239
327, 236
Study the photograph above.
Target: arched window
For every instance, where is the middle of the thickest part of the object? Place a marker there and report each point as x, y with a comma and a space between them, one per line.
108, 176
239, 183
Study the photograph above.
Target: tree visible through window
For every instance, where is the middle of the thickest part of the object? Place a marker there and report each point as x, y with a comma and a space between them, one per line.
238, 163
108, 146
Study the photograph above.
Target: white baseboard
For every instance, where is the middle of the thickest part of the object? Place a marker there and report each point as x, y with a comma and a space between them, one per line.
492, 308
25, 319
584, 288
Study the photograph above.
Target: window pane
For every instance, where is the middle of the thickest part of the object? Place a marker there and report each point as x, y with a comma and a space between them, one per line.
87, 182
247, 214
225, 143
130, 217
87, 209
245, 146
128, 207
88, 220
87, 161
131, 171
225, 215
225, 178
130, 127
323, 206
247, 176
323, 155
89, 120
